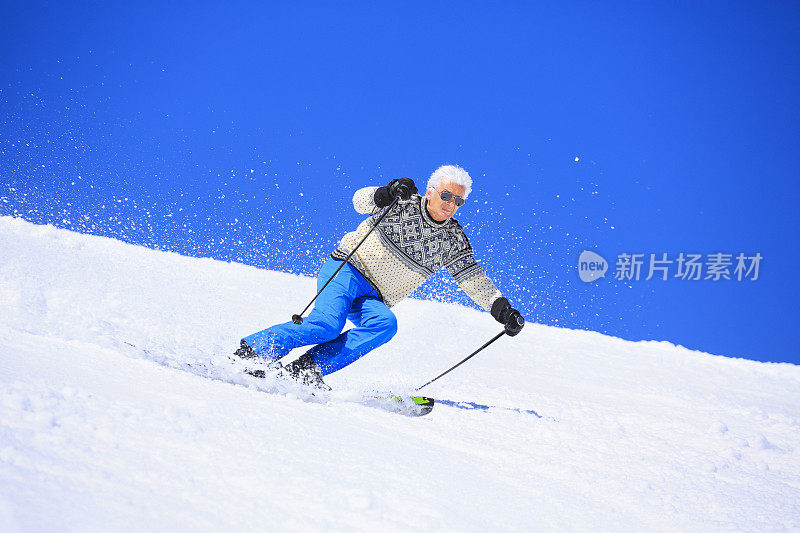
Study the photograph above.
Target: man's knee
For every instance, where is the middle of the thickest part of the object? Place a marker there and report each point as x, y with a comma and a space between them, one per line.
388, 325
331, 325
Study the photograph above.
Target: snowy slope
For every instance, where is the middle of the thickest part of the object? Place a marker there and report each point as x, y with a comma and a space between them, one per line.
95, 435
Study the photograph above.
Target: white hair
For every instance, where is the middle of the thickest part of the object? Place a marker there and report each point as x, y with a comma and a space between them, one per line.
454, 173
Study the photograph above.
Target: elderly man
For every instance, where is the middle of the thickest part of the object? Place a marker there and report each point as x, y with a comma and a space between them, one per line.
414, 239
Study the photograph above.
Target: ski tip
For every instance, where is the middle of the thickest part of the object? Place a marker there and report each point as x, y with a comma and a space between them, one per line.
424, 404
409, 406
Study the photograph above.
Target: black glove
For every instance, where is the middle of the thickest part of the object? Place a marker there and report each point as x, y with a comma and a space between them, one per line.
508, 316
404, 188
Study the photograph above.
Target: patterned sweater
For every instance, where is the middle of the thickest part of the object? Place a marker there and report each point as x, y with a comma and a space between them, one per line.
408, 246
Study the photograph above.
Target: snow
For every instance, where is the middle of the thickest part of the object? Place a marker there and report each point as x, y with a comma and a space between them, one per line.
98, 436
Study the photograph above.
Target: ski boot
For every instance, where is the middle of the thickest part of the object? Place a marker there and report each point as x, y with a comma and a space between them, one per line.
246, 353
306, 371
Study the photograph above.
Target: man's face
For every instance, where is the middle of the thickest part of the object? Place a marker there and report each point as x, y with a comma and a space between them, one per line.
439, 210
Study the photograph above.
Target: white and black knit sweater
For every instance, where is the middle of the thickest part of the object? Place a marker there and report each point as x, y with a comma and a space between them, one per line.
408, 246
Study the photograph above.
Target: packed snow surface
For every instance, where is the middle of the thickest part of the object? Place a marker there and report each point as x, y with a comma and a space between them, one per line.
98, 435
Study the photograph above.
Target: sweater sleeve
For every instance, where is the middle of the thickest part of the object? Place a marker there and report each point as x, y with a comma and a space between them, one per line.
364, 201
471, 277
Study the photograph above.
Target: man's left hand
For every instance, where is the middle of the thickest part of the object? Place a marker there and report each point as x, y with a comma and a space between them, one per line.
514, 323
508, 316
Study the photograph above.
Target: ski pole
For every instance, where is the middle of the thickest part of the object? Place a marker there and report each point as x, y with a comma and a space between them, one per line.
298, 319
465, 359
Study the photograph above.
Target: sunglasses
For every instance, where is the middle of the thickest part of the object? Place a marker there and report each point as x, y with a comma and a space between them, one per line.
447, 196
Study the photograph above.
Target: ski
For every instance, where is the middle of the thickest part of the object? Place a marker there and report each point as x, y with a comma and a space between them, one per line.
409, 406
412, 406
406, 405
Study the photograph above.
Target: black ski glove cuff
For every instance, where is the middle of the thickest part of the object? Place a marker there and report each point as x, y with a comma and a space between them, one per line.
382, 198
499, 309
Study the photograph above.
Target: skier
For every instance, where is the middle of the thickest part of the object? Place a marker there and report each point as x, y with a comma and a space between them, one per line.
416, 237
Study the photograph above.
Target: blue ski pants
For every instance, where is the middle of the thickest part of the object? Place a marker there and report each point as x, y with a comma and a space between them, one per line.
348, 296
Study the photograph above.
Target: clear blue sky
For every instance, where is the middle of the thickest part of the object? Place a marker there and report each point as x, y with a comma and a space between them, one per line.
241, 131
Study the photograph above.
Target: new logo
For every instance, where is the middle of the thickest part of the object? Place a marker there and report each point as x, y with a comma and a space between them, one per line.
591, 266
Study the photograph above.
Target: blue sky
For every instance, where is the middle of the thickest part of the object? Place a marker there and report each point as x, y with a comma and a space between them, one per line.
241, 131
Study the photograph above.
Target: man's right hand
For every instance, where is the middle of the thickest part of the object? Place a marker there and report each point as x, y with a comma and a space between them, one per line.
402, 188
